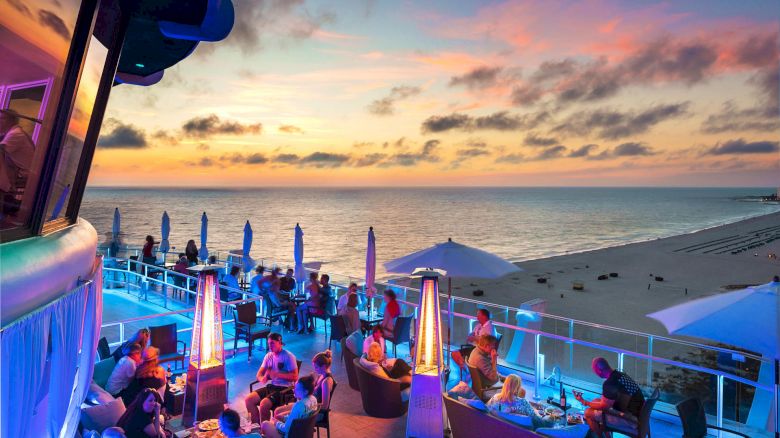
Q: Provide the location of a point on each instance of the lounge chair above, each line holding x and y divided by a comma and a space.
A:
381, 396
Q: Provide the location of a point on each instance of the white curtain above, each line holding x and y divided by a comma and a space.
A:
67, 323
93, 319
24, 350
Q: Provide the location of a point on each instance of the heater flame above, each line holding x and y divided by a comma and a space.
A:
428, 354
207, 332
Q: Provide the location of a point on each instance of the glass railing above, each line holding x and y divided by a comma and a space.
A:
736, 387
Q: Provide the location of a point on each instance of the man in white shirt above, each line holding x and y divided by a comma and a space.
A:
280, 371
484, 326
16, 150
343, 299
124, 371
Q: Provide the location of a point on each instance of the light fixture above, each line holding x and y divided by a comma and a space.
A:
139, 65
206, 391
426, 416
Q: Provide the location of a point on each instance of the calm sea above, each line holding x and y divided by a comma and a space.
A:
515, 223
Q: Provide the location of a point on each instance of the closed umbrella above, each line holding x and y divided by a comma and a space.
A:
457, 260
55, 213
203, 252
113, 248
300, 273
370, 267
746, 318
248, 262
115, 225
165, 231
371, 262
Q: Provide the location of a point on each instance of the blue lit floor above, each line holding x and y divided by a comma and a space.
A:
347, 417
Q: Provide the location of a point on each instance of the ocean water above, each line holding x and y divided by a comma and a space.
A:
515, 223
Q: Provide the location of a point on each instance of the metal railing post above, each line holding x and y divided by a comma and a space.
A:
620, 362
719, 422
649, 362
165, 289
571, 345
121, 333
537, 371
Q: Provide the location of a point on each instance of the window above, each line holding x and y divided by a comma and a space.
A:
35, 38
73, 144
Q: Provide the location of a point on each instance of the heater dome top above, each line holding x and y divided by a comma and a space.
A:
429, 272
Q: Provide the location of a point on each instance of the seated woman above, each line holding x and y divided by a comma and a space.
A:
305, 406
323, 387
142, 418
392, 310
375, 362
149, 374
351, 315
511, 400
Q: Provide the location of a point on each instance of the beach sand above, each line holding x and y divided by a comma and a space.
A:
702, 262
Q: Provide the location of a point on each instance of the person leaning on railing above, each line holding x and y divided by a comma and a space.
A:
485, 359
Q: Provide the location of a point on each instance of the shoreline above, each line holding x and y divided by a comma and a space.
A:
688, 273
651, 239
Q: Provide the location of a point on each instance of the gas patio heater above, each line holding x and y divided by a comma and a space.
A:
426, 415
206, 392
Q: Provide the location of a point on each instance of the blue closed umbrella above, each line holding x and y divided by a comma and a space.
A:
115, 225
300, 273
60, 203
203, 253
248, 262
165, 246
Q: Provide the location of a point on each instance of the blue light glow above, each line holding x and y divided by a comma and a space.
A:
139, 65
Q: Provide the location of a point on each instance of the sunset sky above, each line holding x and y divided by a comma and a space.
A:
399, 93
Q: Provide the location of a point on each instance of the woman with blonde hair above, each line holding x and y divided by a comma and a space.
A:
511, 400
323, 385
374, 362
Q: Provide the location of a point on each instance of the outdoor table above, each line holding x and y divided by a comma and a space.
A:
370, 320
174, 400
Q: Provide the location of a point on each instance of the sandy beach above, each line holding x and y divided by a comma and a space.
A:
701, 262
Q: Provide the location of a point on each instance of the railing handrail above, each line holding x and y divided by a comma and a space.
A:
655, 338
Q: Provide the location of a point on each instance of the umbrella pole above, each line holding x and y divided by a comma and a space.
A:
449, 317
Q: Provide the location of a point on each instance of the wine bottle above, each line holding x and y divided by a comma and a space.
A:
563, 397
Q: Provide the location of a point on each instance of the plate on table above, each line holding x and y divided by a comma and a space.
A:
554, 412
208, 425
573, 419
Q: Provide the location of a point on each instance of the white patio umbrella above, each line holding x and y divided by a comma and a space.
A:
203, 252
457, 260
248, 262
165, 231
300, 272
746, 318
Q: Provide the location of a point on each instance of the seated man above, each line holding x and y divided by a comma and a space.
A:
485, 359
124, 373
342, 303
278, 367
230, 425
484, 326
231, 280
617, 384
16, 151
287, 283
